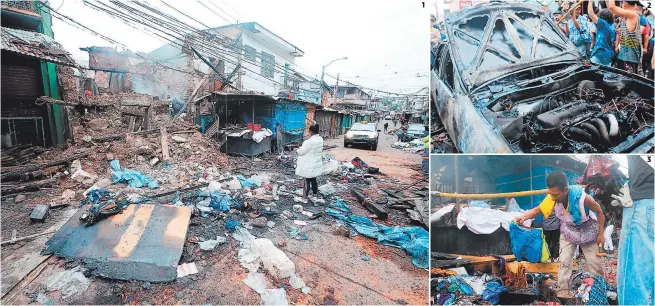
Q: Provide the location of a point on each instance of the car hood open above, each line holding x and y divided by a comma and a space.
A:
490, 40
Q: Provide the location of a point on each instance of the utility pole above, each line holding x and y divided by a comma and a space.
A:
323, 75
286, 73
336, 88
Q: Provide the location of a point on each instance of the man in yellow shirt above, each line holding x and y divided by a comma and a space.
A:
582, 223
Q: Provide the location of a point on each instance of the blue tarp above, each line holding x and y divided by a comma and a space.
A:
133, 178
414, 240
291, 117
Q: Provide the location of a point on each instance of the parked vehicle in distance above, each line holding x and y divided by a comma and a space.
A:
508, 80
362, 134
387, 117
415, 131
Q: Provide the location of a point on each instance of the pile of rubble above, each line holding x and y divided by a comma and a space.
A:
171, 174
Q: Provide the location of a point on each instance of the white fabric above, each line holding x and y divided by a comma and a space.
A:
259, 136
485, 220
441, 212
310, 159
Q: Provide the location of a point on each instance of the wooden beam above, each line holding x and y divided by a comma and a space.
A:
547, 267
164, 145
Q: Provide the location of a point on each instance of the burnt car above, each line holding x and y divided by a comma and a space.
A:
508, 80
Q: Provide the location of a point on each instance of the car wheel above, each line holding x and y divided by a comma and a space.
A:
345, 144
375, 147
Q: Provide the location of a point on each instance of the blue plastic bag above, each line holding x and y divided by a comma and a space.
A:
133, 178
231, 225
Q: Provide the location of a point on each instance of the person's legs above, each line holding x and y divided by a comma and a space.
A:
594, 263
314, 184
635, 280
305, 188
566, 250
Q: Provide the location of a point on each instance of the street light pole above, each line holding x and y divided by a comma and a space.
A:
323, 75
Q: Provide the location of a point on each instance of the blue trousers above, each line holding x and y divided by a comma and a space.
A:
635, 280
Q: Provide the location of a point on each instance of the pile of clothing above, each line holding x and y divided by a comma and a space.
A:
528, 243
595, 291
607, 184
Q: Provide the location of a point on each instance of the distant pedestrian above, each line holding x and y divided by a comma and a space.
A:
395, 122
401, 134
603, 50
386, 126
630, 44
205, 111
310, 160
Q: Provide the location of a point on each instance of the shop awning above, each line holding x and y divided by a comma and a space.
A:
36, 45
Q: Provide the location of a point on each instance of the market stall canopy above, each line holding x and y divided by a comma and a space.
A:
36, 45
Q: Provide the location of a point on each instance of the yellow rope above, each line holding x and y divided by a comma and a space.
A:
489, 195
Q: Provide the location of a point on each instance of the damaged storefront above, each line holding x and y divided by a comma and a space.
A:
29, 70
243, 124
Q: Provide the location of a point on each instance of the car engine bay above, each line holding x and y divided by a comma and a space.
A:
584, 110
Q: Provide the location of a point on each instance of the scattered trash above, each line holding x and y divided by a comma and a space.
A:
260, 222
231, 225
365, 257
69, 282
256, 281
274, 297
327, 189
178, 139
270, 224
297, 208
308, 213
40, 213
186, 269
211, 244
19, 198
133, 178
68, 195
299, 222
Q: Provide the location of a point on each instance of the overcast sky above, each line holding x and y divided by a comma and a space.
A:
386, 42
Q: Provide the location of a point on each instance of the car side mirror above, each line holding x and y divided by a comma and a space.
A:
347, 130
379, 131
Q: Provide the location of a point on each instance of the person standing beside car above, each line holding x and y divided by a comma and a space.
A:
629, 43
603, 50
578, 30
310, 160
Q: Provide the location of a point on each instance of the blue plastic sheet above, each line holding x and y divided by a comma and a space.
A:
133, 178
231, 225
250, 182
220, 201
414, 240
477, 203
340, 205
492, 292
291, 116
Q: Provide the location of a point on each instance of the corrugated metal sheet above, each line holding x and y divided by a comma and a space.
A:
35, 45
